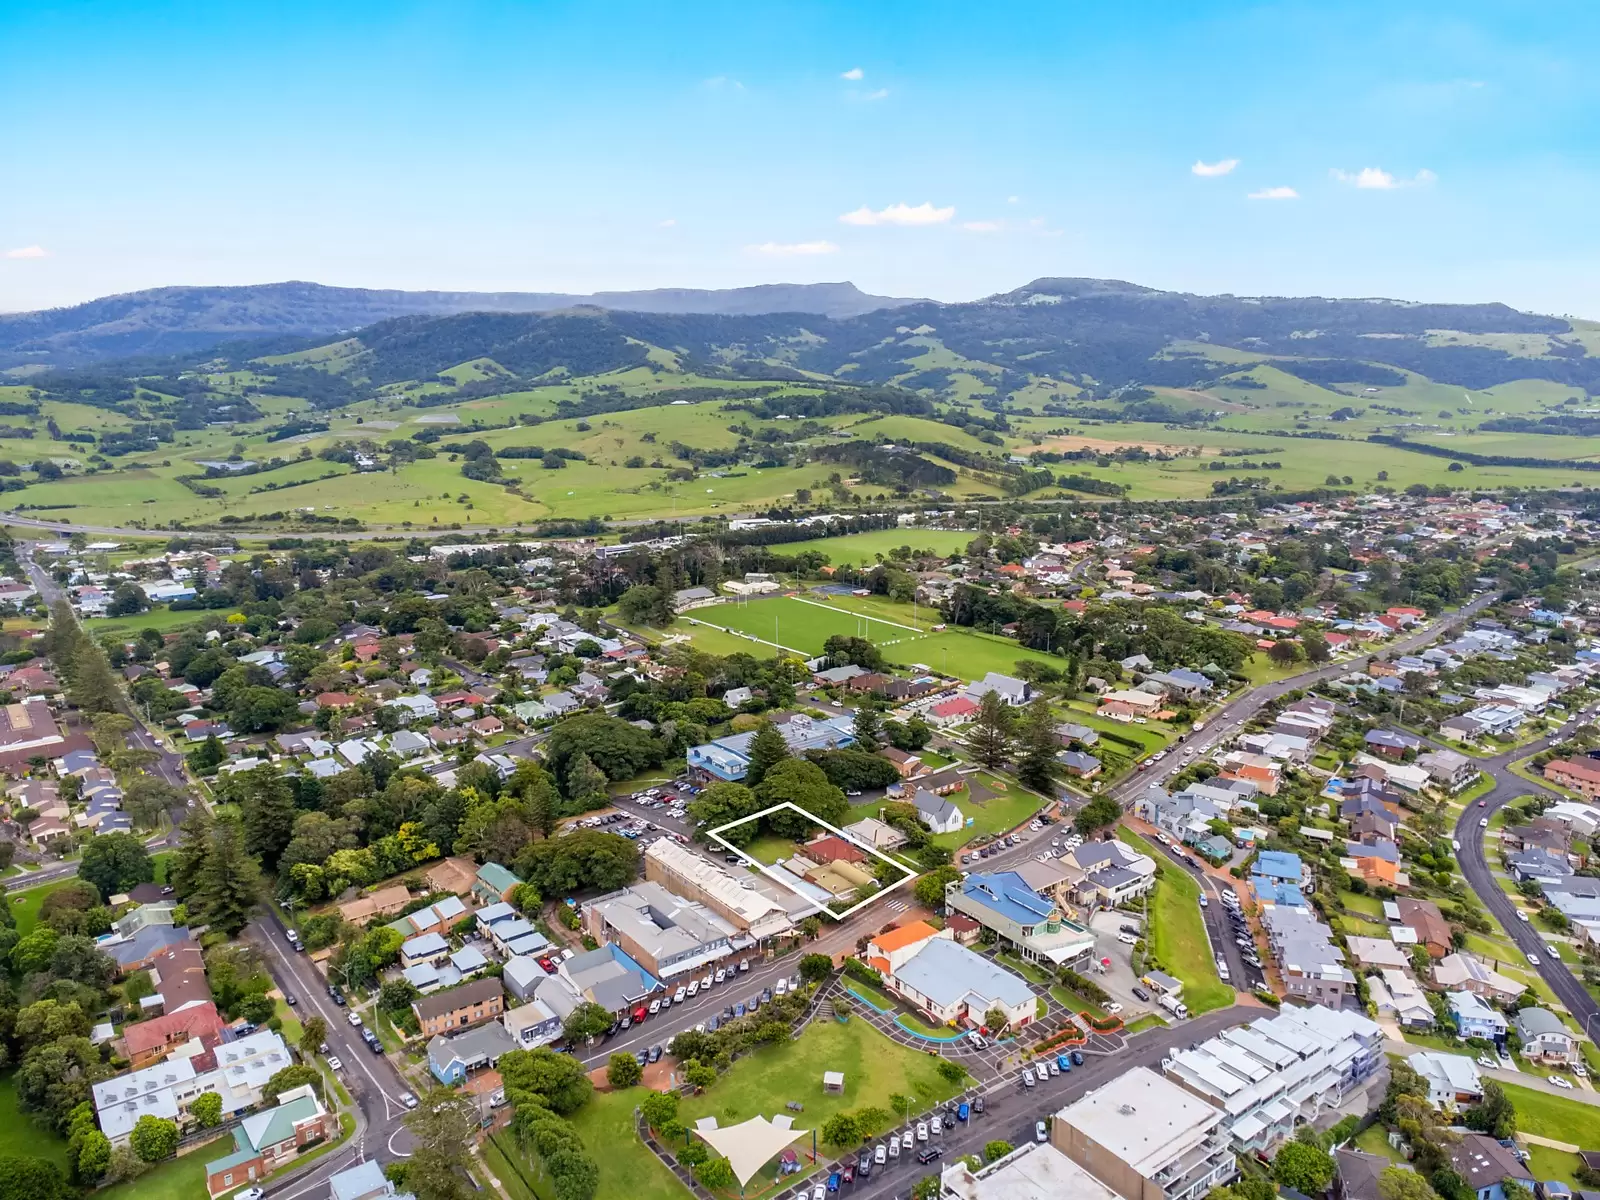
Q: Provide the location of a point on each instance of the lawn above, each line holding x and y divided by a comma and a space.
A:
177, 1179
25, 905
1148, 1021
865, 547
1001, 811
1177, 933
1552, 1117
1374, 1139
162, 620
19, 1134
769, 848
1369, 906
1546, 1163
760, 1083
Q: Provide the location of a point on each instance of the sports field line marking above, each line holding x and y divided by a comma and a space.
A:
850, 612
750, 637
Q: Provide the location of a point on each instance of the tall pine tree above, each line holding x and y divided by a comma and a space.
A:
767, 750
230, 880
1037, 744
266, 806
868, 726
586, 783
194, 845
989, 739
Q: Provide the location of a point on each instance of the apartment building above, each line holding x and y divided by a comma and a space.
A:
1271, 1075
1147, 1138
1312, 966
480, 1000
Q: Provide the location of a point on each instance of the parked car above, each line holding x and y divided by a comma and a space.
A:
1561, 1083
1063, 1063
833, 1182
880, 1155
655, 1052
1077, 1058
935, 1126
1140, 994
679, 996
354, 1019
1053, 1067
864, 1165
335, 1062
1041, 1132
963, 1112
894, 1147
977, 1106
1027, 1077
922, 1131
655, 1007
907, 1140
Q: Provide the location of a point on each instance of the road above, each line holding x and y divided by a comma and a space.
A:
1473, 857
1013, 1110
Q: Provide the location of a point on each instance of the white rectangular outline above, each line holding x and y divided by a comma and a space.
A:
716, 836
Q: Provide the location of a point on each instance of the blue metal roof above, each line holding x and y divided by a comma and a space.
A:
1007, 894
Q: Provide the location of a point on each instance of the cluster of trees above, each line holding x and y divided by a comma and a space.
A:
999, 733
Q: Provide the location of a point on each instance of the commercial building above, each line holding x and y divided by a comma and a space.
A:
666, 934
1033, 1172
729, 758
611, 979
740, 901
1146, 1138
1033, 923
1271, 1075
954, 986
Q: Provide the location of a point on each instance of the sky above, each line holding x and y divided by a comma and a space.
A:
1443, 152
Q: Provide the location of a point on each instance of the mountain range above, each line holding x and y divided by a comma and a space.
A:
1054, 337
180, 320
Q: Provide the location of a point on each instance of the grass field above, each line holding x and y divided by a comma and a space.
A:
1177, 932
1558, 1119
1004, 808
866, 547
20, 1135
760, 1083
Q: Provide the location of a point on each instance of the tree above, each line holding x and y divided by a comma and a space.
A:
842, 1130
194, 840
1316, 646
23, 1178
1038, 743
767, 750
659, 1108
1303, 1167
558, 1079
722, 803
804, 785
699, 1075
154, 1138
289, 1078
995, 1151
1285, 652
1097, 814
715, 1174
1494, 1114
929, 889
645, 604
989, 739
267, 810
814, 968
115, 862
585, 1021
207, 1109
93, 1158
867, 727
586, 783
617, 747
623, 1070
313, 1033
1397, 1183
229, 883
443, 1128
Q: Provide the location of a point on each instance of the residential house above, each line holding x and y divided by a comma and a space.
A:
869, 831
937, 813
1452, 1079
1311, 965
1013, 692
384, 902
1449, 769
150, 1041
267, 1140
1427, 922
493, 883
1464, 972
452, 1057
1581, 775
364, 1181
1474, 1018
1544, 1037
1484, 1165
1395, 994
1112, 872
728, 758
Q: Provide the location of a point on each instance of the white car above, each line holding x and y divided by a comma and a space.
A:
1113, 1008
1533, 960
935, 1126
705, 984
1040, 1133
408, 1099
922, 1131
1522, 916
694, 987
1456, 842
720, 976
1127, 939
907, 1140
335, 1063
820, 1192
250, 1193
1483, 822
679, 996
655, 1007
354, 1018
1561, 1083
880, 1155
1053, 1067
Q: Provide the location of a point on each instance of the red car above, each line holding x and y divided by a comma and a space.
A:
1483, 804
548, 965
850, 1173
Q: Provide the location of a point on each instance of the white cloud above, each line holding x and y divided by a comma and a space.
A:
669, 223
792, 249
880, 94
1378, 180
1013, 199
1211, 170
1275, 193
984, 226
28, 252
899, 214
853, 74
719, 83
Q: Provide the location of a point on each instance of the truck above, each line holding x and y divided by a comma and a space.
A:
1174, 1006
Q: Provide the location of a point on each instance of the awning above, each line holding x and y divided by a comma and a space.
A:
749, 1145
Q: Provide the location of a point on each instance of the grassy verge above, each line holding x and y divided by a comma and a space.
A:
1148, 1021
1553, 1117
1072, 1000
1177, 935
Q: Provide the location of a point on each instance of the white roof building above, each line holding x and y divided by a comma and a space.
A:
1034, 1172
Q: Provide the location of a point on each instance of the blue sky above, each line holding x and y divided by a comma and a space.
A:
1442, 152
